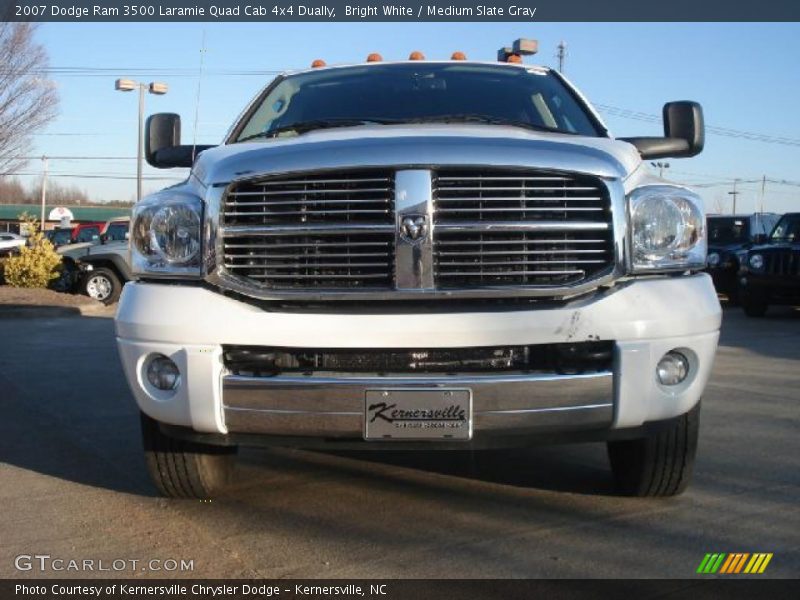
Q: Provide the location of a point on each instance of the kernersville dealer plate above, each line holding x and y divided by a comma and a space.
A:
418, 414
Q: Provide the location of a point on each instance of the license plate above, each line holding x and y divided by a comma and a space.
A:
393, 414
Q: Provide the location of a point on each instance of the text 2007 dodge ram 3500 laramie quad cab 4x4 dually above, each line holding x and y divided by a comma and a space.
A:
421, 254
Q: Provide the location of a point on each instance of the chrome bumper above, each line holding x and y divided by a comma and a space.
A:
334, 407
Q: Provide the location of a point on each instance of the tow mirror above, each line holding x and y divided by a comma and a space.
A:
684, 133
162, 143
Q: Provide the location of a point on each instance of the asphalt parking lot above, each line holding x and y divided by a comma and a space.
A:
73, 484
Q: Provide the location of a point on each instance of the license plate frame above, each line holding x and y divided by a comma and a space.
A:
418, 414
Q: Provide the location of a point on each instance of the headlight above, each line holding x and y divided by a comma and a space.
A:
756, 262
166, 235
667, 229
713, 259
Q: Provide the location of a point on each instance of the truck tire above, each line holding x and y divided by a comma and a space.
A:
754, 306
102, 284
659, 465
183, 469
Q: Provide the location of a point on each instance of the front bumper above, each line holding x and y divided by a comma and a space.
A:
644, 318
773, 287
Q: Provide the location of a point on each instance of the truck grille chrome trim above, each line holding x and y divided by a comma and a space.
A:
401, 233
311, 231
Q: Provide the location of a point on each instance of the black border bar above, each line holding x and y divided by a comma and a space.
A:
530, 11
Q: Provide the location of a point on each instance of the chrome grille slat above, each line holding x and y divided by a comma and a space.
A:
300, 213
517, 273
513, 252
515, 263
325, 244
517, 242
311, 228
324, 201
310, 256
511, 226
313, 192
303, 276
527, 209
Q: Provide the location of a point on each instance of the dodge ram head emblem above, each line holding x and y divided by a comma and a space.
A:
414, 228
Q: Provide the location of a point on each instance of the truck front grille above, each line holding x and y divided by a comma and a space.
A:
782, 263
312, 230
266, 361
488, 230
482, 238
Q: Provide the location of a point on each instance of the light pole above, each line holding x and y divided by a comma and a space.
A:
128, 85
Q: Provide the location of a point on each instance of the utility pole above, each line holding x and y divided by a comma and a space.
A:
763, 189
44, 190
562, 54
734, 193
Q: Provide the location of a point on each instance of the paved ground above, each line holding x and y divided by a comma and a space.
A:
72, 483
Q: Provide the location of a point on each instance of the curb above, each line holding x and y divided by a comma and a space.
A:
17, 311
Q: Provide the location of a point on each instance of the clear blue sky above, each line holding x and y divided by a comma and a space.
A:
745, 75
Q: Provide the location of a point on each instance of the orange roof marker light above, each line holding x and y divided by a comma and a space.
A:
458, 55
416, 55
318, 63
374, 57
520, 48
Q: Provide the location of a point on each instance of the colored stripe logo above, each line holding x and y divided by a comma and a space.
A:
734, 563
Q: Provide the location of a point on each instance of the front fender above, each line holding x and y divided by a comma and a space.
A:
119, 263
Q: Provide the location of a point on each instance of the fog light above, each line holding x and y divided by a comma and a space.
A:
673, 368
162, 373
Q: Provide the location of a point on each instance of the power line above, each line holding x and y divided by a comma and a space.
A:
627, 113
100, 176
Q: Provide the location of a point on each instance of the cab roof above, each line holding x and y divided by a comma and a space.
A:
493, 63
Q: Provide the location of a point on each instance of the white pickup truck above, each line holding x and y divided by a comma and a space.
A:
429, 255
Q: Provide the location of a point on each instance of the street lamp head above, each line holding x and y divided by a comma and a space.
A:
124, 85
158, 88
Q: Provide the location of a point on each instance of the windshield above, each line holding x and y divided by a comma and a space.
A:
728, 230
409, 93
117, 231
788, 228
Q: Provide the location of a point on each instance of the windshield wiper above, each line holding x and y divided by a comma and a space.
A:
305, 126
479, 118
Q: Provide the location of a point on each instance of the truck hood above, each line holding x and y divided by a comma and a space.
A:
420, 146
775, 247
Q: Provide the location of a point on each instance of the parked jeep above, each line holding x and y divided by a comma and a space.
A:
728, 235
425, 255
770, 272
99, 271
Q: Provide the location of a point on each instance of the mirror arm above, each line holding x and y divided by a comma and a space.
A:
659, 147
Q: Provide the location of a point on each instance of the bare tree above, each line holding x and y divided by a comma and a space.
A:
28, 100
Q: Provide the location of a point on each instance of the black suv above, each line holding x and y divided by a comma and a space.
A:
770, 272
728, 235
